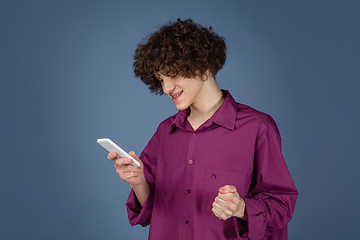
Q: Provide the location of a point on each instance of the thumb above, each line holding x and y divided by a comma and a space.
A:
133, 154
227, 189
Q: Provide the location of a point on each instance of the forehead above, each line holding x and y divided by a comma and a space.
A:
163, 73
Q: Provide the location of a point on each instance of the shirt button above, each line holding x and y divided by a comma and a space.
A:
194, 133
213, 176
191, 161
186, 221
188, 191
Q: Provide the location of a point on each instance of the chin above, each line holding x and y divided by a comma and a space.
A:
181, 107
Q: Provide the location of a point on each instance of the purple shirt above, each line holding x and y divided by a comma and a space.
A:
185, 168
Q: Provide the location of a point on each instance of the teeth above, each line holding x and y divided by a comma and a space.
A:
177, 95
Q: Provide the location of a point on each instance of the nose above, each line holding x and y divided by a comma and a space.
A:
167, 85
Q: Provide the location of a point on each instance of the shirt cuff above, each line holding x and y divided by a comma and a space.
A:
136, 213
256, 218
240, 227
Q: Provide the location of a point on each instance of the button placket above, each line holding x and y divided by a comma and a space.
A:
189, 179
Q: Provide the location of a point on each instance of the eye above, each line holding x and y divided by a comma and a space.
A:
174, 75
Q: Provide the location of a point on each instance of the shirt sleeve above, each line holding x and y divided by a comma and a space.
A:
136, 213
272, 196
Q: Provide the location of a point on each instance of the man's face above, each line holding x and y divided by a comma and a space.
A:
184, 92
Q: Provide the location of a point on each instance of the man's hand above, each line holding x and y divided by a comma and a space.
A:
228, 204
132, 175
127, 172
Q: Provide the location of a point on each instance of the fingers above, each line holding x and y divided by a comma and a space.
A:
124, 164
218, 213
133, 154
223, 210
112, 155
228, 203
123, 161
127, 172
119, 161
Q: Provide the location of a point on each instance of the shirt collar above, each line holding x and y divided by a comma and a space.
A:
224, 116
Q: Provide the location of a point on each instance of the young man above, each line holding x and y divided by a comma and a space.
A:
215, 169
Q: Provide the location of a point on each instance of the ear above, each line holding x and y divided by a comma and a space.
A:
207, 75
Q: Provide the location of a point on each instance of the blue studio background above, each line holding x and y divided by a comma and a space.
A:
67, 79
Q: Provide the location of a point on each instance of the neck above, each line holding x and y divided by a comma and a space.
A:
209, 100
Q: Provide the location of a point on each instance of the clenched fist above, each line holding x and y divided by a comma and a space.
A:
228, 204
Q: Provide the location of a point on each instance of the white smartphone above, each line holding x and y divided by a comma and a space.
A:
112, 147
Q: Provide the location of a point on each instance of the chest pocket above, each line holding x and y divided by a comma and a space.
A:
217, 178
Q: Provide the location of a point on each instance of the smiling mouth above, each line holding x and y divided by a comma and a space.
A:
176, 95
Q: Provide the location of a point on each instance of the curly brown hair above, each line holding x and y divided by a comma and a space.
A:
183, 47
